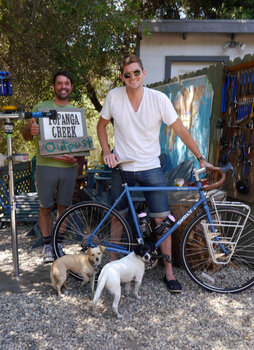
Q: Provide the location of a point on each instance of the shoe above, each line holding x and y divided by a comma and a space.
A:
173, 285
60, 249
48, 254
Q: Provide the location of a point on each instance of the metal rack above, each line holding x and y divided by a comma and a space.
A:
10, 114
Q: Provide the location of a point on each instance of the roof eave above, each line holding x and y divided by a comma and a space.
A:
199, 26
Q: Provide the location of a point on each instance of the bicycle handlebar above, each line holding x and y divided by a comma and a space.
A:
217, 183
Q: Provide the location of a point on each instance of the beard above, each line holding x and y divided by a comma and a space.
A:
63, 97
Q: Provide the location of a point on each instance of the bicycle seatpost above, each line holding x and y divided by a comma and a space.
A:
118, 167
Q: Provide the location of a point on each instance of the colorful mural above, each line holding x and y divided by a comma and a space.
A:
192, 99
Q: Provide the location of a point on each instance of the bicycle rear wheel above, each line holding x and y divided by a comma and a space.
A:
76, 224
205, 261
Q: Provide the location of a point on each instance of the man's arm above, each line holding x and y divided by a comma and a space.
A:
108, 157
188, 140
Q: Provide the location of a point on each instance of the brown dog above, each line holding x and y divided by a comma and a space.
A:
82, 264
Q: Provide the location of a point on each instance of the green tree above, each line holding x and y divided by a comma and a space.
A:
84, 37
161, 9
197, 9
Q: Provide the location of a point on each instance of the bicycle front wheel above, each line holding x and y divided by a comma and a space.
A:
78, 222
205, 260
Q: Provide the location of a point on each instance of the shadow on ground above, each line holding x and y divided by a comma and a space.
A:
34, 279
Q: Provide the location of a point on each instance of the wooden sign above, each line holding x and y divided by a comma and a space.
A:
65, 135
62, 146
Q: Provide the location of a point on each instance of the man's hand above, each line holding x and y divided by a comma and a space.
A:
34, 128
66, 158
204, 163
31, 129
110, 159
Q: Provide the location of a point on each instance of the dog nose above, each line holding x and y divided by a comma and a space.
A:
97, 259
147, 256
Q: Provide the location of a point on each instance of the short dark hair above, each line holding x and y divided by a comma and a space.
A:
131, 59
64, 73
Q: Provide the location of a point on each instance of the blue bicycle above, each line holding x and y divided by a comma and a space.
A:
217, 247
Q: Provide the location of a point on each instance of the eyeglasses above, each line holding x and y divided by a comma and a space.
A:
127, 75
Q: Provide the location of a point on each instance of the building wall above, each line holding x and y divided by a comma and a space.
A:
154, 50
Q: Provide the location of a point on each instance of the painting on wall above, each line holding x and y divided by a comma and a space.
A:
192, 100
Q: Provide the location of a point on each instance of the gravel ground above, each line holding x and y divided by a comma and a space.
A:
33, 317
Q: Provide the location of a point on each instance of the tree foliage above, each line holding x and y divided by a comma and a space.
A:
84, 37
217, 9
197, 9
161, 9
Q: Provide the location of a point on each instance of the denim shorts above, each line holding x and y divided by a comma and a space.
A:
157, 201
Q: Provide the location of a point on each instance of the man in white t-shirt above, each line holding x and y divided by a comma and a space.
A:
138, 112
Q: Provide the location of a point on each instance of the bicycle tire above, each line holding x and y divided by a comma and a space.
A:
232, 277
75, 225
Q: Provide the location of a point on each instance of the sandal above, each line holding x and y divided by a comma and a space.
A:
173, 285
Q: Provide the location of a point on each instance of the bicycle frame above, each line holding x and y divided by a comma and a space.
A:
128, 190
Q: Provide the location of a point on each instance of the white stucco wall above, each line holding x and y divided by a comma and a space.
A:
153, 51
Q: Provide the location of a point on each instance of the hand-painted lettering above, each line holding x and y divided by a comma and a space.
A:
50, 147
60, 146
70, 147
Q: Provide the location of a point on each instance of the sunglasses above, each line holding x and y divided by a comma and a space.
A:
127, 75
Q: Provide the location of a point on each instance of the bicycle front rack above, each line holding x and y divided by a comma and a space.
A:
223, 234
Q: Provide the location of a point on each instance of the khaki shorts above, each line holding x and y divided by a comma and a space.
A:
55, 184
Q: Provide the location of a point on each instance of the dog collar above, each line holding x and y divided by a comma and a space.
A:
92, 264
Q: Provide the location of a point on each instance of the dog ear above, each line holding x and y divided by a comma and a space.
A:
87, 252
102, 248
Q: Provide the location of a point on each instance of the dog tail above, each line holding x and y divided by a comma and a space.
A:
101, 284
52, 277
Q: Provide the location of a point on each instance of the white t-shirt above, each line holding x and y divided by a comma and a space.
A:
137, 133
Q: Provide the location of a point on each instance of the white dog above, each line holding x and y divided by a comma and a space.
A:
130, 268
82, 264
